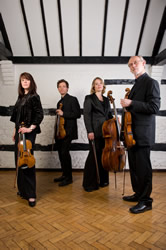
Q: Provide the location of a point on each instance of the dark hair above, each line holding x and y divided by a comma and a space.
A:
32, 88
62, 80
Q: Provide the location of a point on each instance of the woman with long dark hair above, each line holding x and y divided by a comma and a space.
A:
27, 110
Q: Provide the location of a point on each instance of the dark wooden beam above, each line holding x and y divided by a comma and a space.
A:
104, 26
143, 25
76, 60
160, 34
26, 26
4, 34
60, 26
80, 27
123, 27
45, 27
160, 59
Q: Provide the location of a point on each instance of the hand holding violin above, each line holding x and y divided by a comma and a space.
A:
59, 112
125, 102
24, 130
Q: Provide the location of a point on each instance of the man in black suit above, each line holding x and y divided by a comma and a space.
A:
143, 103
70, 112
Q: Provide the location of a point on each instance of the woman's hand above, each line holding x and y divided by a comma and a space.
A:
24, 130
91, 136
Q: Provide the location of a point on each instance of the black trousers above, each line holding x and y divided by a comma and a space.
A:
26, 177
140, 172
63, 146
90, 173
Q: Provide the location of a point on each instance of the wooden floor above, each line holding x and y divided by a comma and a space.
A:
70, 218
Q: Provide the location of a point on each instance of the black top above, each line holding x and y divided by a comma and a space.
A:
95, 113
145, 96
28, 110
71, 112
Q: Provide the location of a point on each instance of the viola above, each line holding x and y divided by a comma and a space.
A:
24, 152
113, 155
126, 132
60, 132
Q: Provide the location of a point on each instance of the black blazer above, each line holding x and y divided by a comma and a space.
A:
71, 112
95, 114
145, 96
28, 110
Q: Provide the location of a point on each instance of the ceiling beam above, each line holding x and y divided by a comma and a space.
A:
160, 59
123, 27
4, 35
44, 26
142, 26
104, 26
160, 34
60, 26
26, 26
74, 60
80, 27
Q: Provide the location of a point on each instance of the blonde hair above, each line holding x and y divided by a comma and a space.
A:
92, 91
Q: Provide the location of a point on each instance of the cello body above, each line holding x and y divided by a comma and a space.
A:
113, 155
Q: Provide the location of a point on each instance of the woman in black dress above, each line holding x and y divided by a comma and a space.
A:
96, 111
27, 110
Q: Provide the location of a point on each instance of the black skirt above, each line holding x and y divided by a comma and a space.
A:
90, 181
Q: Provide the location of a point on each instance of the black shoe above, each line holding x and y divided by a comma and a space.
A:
104, 184
65, 182
141, 207
61, 178
32, 203
131, 198
90, 189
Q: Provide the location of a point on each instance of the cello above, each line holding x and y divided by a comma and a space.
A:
113, 155
126, 131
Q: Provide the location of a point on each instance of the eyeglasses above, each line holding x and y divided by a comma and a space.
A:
134, 63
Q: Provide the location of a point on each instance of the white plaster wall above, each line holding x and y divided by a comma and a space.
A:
80, 78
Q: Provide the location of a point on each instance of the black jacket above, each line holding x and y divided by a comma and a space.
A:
71, 112
95, 114
28, 110
145, 96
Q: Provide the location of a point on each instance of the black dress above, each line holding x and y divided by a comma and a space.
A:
95, 113
28, 110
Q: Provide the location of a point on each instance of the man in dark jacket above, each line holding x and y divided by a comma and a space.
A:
143, 103
70, 112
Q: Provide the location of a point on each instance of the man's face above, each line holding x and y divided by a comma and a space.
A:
136, 65
62, 88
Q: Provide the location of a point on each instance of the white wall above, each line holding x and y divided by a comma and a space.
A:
79, 78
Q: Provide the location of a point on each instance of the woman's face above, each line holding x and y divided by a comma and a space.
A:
25, 83
98, 85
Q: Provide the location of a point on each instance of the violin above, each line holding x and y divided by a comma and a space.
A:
126, 132
60, 132
113, 155
24, 152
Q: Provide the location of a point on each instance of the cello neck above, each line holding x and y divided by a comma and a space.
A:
116, 116
112, 100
